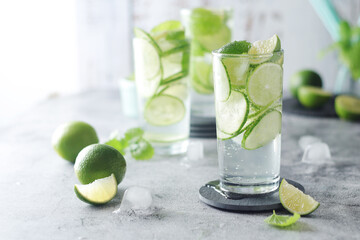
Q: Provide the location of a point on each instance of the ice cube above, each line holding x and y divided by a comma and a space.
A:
317, 153
195, 151
136, 199
307, 140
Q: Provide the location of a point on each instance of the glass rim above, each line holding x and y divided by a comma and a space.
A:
245, 55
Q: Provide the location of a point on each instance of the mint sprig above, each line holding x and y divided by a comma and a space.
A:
282, 221
133, 141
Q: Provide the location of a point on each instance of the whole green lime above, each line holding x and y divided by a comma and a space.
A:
69, 138
313, 97
99, 161
304, 78
348, 107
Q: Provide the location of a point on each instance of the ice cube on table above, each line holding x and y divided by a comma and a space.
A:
136, 199
195, 151
317, 153
307, 140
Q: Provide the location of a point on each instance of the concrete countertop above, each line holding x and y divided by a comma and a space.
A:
38, 202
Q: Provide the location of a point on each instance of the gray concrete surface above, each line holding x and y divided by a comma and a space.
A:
37, 199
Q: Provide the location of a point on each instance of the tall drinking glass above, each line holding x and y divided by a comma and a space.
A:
248, 99
207, 29
161, 72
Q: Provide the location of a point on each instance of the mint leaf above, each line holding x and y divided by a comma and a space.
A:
142, 150
235, 47
134, 134
282, 221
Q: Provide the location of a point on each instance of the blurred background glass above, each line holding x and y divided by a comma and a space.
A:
50, 48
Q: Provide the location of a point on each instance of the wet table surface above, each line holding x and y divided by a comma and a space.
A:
38, 201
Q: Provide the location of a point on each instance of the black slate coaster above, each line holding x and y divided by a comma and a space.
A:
249, 203
292, 105
202, 127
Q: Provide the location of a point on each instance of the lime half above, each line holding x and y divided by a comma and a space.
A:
231, 115
164, 110
348, 107
147, 67
265, 84
98, 192
295, 201
313, 97
262, 131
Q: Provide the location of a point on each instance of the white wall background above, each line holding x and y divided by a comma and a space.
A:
52, 47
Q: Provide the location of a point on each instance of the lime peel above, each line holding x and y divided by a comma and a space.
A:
282, 221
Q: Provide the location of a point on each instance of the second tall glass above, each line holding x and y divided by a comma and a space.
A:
207, 29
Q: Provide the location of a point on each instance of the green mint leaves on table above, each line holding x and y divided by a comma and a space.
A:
134, 142
282, 221
348, 47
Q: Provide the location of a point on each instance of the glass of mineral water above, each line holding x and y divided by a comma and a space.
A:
161, 59
248, 97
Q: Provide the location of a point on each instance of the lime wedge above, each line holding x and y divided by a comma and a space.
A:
295, 201
263, 47
313, 97
147, 67
262, 131
231, 115
237, 70
348, 107
223, 87
164, 110
282, 221
265, 84
98, 192
266, 46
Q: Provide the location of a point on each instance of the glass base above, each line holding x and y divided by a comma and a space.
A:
233, 189
171, 148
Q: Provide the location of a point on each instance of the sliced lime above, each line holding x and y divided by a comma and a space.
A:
164, 110
203, 22
171, 25
222, 136
98, 192
223, 86
147, 67
237, 69
265, 129
265, 84
313, 97
202, 71
295, 201
179, 90
139, 33
282, 221
215, 41
231, 115
172, 64
348, 107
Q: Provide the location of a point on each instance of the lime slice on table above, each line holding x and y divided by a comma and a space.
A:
264, 46
262, 131
164, 110
265, 84
348, 107
147, 67
313, 97
223, 86
98, 192
295, 201
232, 114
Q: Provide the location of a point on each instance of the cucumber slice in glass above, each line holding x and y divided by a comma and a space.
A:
147, 67
223, 86
232, 114
164, 110
179, 90
237, 70
265, 84
267, 128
